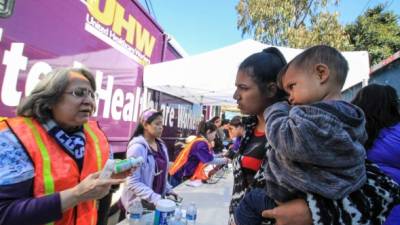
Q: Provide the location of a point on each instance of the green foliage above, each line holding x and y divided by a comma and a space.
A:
292, 23
377, 31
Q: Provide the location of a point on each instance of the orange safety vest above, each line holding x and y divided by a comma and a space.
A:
55, 170
183, 157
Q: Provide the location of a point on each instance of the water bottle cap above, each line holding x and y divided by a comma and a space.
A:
134, 205
165, 205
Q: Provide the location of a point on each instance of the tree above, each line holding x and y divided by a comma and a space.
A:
377, 31
292, 23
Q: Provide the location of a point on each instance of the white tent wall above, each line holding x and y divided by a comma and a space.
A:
209, 78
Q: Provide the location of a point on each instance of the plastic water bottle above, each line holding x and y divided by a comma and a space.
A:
177, 218
191, 214
135, 211
127, 164
114, 166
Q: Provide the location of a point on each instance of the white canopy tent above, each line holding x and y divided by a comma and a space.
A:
209, 78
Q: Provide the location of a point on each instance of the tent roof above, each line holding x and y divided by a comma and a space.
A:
209, 78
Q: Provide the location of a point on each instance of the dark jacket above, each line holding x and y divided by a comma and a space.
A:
316, 148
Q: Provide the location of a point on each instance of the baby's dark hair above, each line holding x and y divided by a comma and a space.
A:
323, 54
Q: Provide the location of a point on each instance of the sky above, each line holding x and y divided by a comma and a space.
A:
204, 25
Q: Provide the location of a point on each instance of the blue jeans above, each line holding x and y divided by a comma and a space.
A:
251, 206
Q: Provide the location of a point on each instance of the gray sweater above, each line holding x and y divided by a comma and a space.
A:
315, 148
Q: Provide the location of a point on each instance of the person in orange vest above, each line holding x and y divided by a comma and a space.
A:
51, 155
197, 154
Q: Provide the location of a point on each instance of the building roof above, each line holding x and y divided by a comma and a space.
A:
384, 63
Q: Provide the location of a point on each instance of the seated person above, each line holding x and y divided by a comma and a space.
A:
196, 155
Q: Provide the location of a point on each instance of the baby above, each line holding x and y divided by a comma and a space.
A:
315, 145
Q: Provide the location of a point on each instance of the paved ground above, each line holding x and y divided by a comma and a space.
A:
212, 200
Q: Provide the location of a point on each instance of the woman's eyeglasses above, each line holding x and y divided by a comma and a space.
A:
83, 93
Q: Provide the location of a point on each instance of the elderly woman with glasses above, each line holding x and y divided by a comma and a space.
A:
149, 183
51, 155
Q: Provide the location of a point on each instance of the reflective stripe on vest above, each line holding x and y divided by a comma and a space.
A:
96, 145
46, 153
48, 179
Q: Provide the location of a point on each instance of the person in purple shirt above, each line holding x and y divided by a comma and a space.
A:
149, 182
199, 152
381, 108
